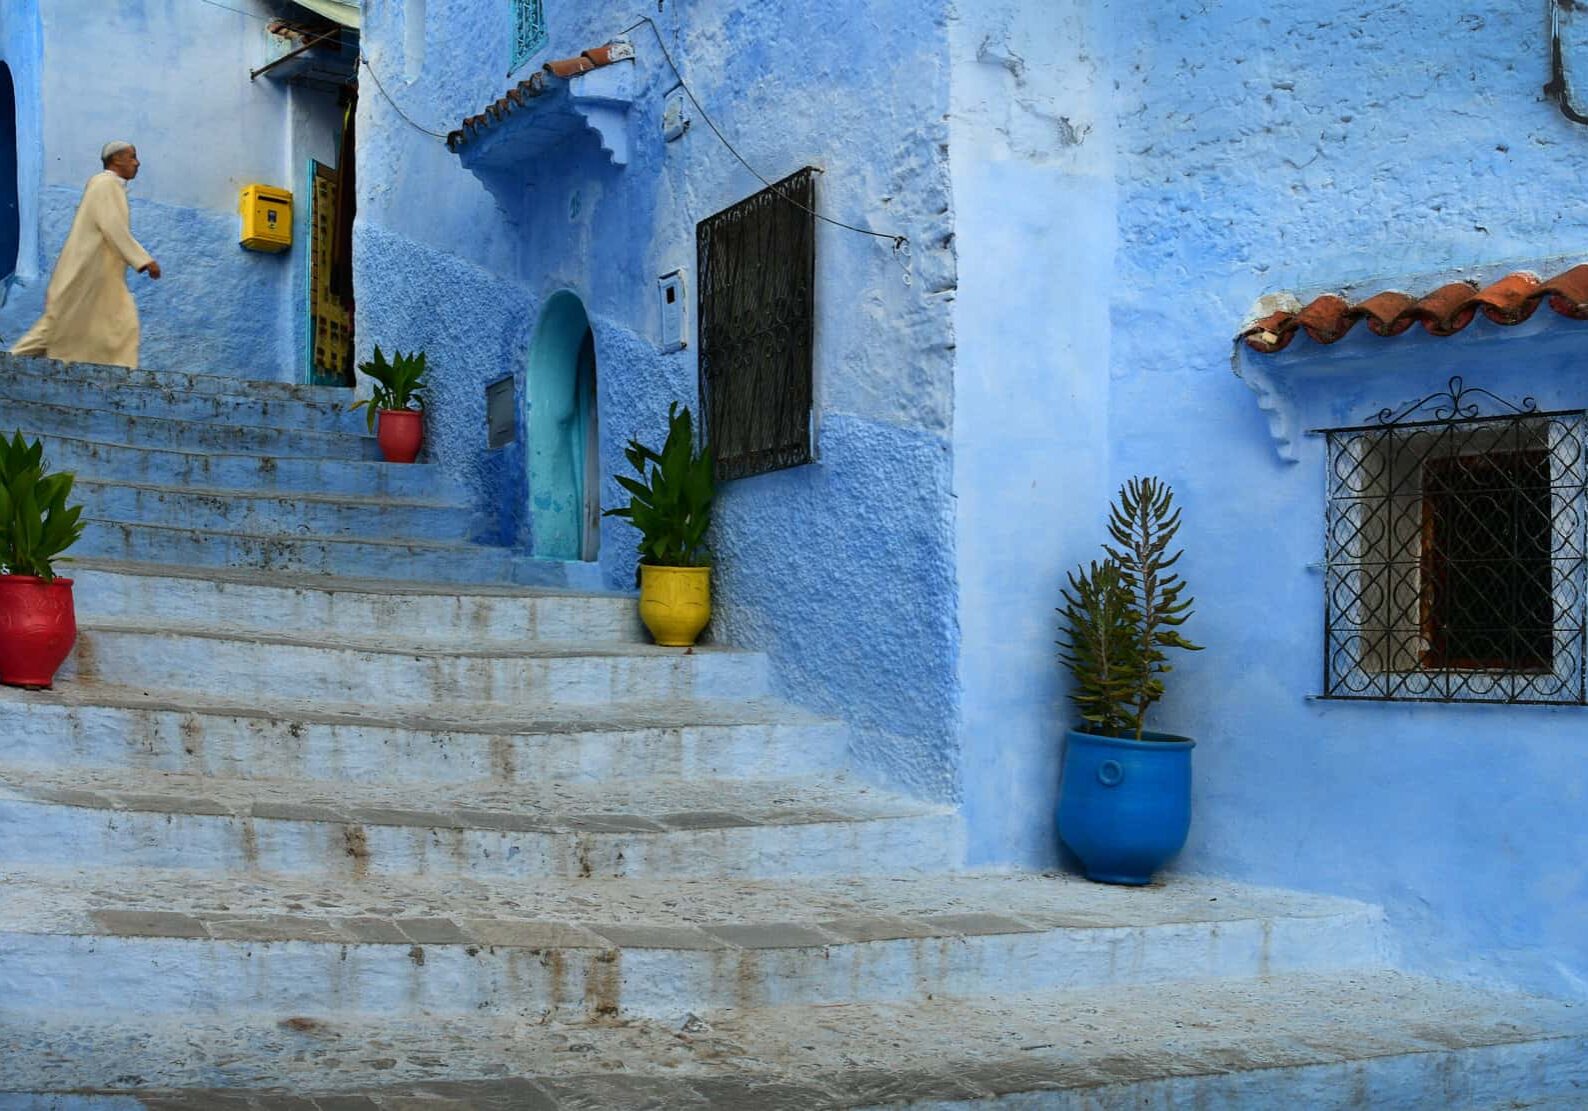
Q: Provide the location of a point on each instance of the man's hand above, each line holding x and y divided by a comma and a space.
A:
151, 268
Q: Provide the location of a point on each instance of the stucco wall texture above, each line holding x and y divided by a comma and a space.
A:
170, 76
1378, 146
1095, 197
841, 570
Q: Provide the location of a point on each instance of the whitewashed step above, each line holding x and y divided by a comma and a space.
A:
87, 725
83, 420
138, 398
95, 377
418, 560
399, 669
242, 470
1382, 1041
273, 513
52, 815
152, 942
266, 602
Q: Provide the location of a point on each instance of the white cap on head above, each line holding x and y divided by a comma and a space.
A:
111, 149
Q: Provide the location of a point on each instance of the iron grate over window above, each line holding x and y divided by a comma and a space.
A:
757, 264
1454, 568
529, 31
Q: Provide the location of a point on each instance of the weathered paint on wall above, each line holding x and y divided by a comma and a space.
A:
21, 50
203, 131
1031, 149
842, 569
1382, 147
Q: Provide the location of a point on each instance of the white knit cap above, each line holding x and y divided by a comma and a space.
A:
112, 149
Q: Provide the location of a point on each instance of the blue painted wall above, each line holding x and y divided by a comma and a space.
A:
842, 570
203, 131
21, 48
1377, 146
1095, 199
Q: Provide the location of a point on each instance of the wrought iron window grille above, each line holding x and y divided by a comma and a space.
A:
1455, 553
757, 266
529, 32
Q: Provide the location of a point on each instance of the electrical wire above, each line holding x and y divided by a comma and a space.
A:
900, 242
395, 106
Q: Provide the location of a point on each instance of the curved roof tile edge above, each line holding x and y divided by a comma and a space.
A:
1443, 312
535, 84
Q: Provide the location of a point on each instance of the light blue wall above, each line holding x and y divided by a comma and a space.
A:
203, 130
21, 48
842, 570
1387, 147
1034, 194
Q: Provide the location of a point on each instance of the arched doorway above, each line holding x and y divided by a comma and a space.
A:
10, 207
564, 437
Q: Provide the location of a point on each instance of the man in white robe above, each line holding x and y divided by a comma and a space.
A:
89, 316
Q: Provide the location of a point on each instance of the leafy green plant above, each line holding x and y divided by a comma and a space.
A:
1121, 614
671, 502
36, 524
399, 384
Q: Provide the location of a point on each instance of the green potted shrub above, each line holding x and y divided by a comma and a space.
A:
671, 507
38, 620
398, 405
1125, 799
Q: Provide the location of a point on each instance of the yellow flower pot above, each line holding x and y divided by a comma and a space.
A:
675, 603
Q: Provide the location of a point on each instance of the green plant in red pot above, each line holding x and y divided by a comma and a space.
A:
38, 621
398, 405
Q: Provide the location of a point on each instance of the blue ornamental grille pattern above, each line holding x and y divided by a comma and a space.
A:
529, 31
1455, 556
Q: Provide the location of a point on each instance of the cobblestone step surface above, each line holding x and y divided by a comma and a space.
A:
237, 598
1323, 1042
89, 725
153, 942
638, 828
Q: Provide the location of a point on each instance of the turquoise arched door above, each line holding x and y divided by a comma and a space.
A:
564, 441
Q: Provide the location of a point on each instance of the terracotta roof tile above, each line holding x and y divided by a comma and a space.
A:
1444, 312
536, 84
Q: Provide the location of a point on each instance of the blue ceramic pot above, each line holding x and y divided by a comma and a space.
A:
1125, 805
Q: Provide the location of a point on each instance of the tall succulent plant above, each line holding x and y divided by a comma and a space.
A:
1123, 613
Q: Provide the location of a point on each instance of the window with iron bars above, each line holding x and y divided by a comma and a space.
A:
529, 31
1454, 564
757, 264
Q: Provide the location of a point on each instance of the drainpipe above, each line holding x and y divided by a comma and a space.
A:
1568, 31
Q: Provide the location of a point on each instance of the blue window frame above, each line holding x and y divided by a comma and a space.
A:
529, 31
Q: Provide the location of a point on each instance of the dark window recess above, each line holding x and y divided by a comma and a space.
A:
501, 413
1454, 564
757, 263
1486, 600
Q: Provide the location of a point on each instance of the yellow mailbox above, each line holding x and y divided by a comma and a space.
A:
267, 218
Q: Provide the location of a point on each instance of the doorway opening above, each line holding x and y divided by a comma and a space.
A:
10, 199
332, 200
563, 452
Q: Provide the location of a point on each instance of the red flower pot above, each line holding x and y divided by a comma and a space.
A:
399, 434
38, 625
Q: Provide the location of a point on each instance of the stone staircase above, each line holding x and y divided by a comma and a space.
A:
304, 826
